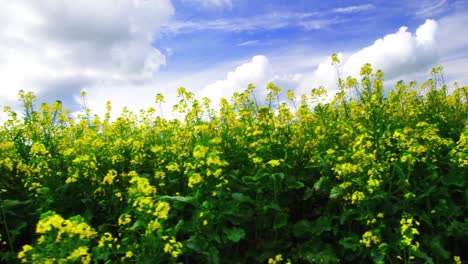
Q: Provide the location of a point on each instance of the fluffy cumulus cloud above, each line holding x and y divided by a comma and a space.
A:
397, 54
58, 48
257, 71
452, 43
325, 75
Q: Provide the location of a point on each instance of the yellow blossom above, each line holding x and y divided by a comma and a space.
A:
124, 219
109, 178
153, 225
257, 160
368, 238
22, 253
199, 152
77, 253
274, 163
276, 260
194, 179
173, 167
357, 196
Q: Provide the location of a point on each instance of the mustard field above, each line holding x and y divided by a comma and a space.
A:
374, 175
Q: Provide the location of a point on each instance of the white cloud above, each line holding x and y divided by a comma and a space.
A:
257, 71
123, 95
325, 75
452, 36
270, 21
429, 8
316, 24
217, 3
455, 69
396, 54
401, 54
56, 48
353, 9
248, 43
452, 42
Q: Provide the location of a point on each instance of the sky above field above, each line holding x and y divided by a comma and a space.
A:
127, 51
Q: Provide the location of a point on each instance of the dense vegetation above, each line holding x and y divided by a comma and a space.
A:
373, 175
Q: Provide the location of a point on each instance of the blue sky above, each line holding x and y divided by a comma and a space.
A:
126, 51
252, 27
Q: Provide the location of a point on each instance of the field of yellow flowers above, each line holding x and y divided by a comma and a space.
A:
373, 175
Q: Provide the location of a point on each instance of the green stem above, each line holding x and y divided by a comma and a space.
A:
10, 245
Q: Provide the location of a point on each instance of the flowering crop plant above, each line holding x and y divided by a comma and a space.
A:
373, 175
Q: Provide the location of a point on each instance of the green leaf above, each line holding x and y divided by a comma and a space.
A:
145, 175
258, 177
242, 198
213, 256
321, 225
247, 180
423, 255
138, 224
293, 184
318, 184
322, 162
234, 234
436, 247
457, 179
336, 192
378, 256
183, 199
260, 174
273, 206
399, 171
178, 226
350, 242
193, 244
308, 193
280, 221
428, 192
8, 204
302, 229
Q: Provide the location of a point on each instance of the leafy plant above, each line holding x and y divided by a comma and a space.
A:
372, 175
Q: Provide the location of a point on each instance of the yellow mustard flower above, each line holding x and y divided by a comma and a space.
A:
124, 219
194, 179
274, 163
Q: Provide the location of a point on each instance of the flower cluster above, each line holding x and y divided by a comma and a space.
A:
317, 177
172, 246
408, 232
368, 238
70, 237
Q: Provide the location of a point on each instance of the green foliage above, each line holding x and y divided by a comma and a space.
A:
368, 176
